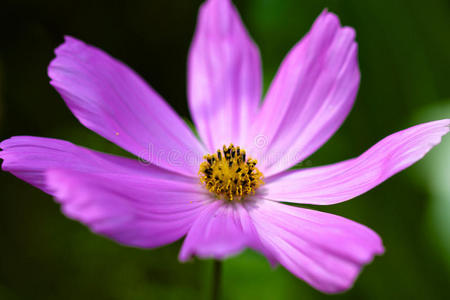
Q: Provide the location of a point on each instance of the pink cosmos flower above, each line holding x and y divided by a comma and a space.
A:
230, 201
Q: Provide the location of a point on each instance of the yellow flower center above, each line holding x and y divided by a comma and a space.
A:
228, 174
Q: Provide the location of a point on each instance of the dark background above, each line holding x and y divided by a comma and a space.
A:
404, 52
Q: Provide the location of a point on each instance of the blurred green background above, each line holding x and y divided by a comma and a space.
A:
404, 53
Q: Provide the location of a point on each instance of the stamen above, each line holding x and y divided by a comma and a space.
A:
231, 178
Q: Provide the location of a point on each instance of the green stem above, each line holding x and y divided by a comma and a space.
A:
217, 274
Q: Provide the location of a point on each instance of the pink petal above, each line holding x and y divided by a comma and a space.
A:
325, 250
224, 76
222, 230
132, 210
109, 98
29, 158
309, 98
348, 179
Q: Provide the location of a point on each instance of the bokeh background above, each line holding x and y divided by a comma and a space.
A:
404, 53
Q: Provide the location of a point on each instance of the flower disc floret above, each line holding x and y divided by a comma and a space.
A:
229, 175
